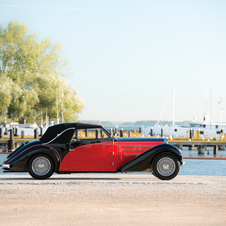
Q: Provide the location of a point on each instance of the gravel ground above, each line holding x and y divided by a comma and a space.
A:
112, 199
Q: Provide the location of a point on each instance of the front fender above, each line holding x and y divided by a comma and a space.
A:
19, 162
143, 161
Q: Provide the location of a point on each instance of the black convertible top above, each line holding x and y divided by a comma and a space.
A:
69, 129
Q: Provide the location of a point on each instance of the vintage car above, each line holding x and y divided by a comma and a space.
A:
77, 147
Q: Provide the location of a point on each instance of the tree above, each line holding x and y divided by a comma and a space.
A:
32, 73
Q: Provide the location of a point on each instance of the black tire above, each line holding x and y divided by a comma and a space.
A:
165, 166
41, 166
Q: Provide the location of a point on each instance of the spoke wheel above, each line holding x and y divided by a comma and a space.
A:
41, 166
165, 166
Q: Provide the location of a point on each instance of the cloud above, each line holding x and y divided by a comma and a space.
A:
57, 8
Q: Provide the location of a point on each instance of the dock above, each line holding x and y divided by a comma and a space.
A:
10, 141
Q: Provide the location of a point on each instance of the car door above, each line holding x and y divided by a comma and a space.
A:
92, 155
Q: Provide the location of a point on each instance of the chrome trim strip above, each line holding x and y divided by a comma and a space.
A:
59, 135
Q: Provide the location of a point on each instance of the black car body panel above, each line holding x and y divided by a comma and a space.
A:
18, 159
143, 161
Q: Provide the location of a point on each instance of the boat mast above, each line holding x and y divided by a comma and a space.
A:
210, 104
173, 105
221, 107
47, 119
58, 121
206, 99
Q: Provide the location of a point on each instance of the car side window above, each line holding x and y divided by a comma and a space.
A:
94, 133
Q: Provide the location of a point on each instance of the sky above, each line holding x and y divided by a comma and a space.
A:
125, 56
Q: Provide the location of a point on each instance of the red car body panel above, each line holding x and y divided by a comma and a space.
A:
129, 150
106, 156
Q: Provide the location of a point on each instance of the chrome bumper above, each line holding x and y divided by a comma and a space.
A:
5, 166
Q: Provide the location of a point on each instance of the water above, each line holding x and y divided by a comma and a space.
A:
192, 167
208, 153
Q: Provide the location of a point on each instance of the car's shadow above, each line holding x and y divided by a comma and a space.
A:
56, 179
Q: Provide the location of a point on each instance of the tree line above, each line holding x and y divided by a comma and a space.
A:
134, 124
33, 78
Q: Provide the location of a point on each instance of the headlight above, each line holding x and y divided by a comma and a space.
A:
5, 166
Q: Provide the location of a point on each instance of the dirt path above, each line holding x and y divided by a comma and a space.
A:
118, 199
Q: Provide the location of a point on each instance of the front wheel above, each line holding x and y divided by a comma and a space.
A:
41, 166
165, 166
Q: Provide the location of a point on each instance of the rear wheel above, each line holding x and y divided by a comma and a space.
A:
165, 166
41, 166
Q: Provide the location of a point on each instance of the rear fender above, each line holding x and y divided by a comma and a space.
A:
143, 161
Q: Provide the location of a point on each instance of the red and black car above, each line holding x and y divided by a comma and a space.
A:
78, 147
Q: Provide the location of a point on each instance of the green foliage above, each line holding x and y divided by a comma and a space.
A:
32, 75
5, 92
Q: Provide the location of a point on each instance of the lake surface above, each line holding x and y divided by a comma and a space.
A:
208, 153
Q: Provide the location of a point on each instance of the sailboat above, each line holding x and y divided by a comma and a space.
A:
207, 128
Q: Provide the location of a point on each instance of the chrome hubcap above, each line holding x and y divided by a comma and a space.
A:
166, 166
41, 166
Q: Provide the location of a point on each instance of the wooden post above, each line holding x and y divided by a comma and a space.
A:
198, 134
151, 132
6, 131
221, 136
162, 132
16, 131
3, 147
0, 132
22, 134
35, 134
86, 132
41, 132
215, 150
201, 149
121, 132
13, 130
96, 133
190, 134
11, 142
129, 133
